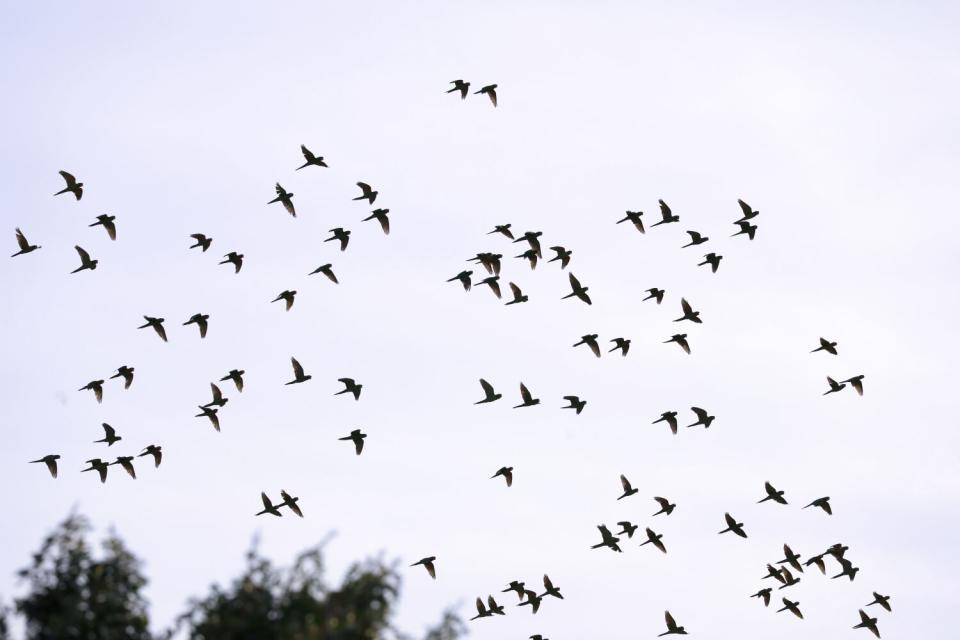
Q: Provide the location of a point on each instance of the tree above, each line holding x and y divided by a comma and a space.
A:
73, 595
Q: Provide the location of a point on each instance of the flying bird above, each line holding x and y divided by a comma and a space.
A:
883, 601
157, 324
627, 528
688, 313
98, 465
490, 262
628, 489
791, 558
290, 502
773, 572
826, 345
97, 387
788, 579
428, 564
608, 539
518, 295
533, 239
461, 86
550, 589
847, 569
211, 413
532, 599
748, 212
234, 258
464, 278
713, 260
153, 450
286, 198
310, 159
491, 91
236, 375
298, 375
591, 341
818, 561
563, 255
527, 397
85, 261
695, 239
494, 283
857, 383
747, 229
494, 607
481, 610
578, 290
654, 293
24, 244
349, 386
670, 417
74, 187
574, 402
107, 223
665, 506
109, 435
792, 607
502, 229
127, 463
340, 234
834, 386
734, 526
666, 215
380, 215
672, 628
530, 256
489, 395
764, 594
50, 461
269, 507
654, 538
680, 339
357, 437
823, 503
199, 319
620, 343
126, 373
327, 270
202, 241
287, 296
866, 622
218, 399
517, 587
633, 217
507, 473
772, 494
368, 193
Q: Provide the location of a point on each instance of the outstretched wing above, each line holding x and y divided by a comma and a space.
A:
84, 256
297, 369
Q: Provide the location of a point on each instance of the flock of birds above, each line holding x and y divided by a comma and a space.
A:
784, 571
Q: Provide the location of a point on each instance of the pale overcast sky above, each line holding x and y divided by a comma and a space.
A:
838, 121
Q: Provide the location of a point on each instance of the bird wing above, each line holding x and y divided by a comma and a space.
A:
365, 188
687, 309
288, 205
493, 96
663, 502
665, 210
747, 209
525, 393
111, 229
384, 223
701, 413
84, 256
217, 394
358, 441
429, 563
516, 291
212, 414
307, 154
547, 584
266, 501
487, 388
297, 369
108, 431
22, 240
51, 466
625, 483
68, 177
671, 623
770, 490
574, 283
731, 521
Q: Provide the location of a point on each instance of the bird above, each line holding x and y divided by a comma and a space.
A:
287, 296
218, 399
502, 229
357, 437
627, 528
532, 599
517, 587
834, 386
672, 628
608, 539
490, 262
202, 241
494, 283
823, 503
688, 313
126, 373
74, 187
98, 465
234, 258
155, 451
380, 215
847, 569
826, 345
518, 295
368, 193
285, 197
574, 402
634, 217
491, 91
791, 558
747, 229
818, 561
200, 320
773, 572
85, 261
550, 589
481, 610
350, 386
327, 270
269, 507
591, 341
533, 239
24, 244
127, 463
680, 339
713, 260
654, 293
527, 397
537, 636
563, 255
97, 387
507, 473
666, 215
655, 539
298, 375
620, 343
157, 324
837, 550
628, 489
340, 234
107, 223
110, 435
494, 607
866, 622
764, 594
530, 256
792, 607
489, 395
290, 502
211, 413
310, 159
883, 601
788, 578
51, 462
428, 564
665, 506
772, 494
748, 212
464, 278
734, 526
857, 383
578, 290
670, 417
461, 86
236, 375
695, 239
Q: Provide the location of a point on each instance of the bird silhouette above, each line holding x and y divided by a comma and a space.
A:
574, 402
518, 295
628, 489
773, 572
494, 283
654, 538
502, 229
823, 503
713, 260
763, 594
494, 607
290, 502
562, 255
199, 319
126, 373
532, 599
202, 241
285, 197
211, 413
672, 628
340, 234
507, 473
105, 221
481, 610
578, 290
51, 462
834, 386
792, 607
837, 550
428, 564
74, 187
866, 622
110, 435
591, 341
489, 261
85, 261
153, 450
654, 293
380, 215
634, 217
298, 375
627, 528
747, 229
24, 244
670, 417
527, 397
883, 601
461, 86
680, 339
608, 539
97, 387
620, 343
517, 587
269, 507
666, 215
791, 558
530, 256
748, 212
287, 296
734, 526
349, 386
98, 465
218, 399
357, 437
234, 258
489, 395
857, 383
695, 239
491, 91
847, 569
464, 278
127, 463
826, 345
772, 494
310, 158
788, 578
550, 589
327, 270
157, 324
533, 239
236, 375
665, 506
688, 313
368, 193
818, 561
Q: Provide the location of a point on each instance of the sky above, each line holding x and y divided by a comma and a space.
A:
837, 121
